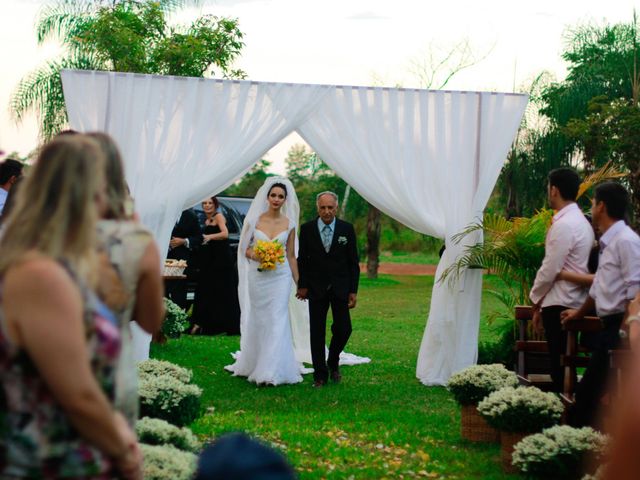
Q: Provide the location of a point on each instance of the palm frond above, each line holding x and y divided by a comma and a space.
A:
60, 21
608, 171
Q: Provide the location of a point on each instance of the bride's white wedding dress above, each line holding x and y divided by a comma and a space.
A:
267, 354
274, 324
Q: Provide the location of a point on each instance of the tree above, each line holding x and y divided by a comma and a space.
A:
126, 36
249, 184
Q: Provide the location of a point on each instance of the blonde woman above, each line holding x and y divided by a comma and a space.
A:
58, 343
135, 257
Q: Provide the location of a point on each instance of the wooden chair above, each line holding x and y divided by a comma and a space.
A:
576, 356
533, 364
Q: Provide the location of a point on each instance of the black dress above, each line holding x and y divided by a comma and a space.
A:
215, 307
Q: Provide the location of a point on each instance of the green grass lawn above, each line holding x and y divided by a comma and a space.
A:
426, 258
380, 422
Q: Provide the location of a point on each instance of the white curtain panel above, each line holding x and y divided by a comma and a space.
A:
183, 138
427, 158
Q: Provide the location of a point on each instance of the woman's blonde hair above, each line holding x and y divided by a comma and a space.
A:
55, 212
118, 199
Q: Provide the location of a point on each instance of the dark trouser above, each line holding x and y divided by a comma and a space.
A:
557, 342
340, 330
595, 379
176, 290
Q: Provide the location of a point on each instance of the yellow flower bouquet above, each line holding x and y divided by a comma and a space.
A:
269, 253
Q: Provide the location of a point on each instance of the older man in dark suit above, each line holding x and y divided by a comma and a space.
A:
329, 274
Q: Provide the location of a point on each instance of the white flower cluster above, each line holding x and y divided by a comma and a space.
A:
165, 391
176, 320
158, 368
164, 462
472, 384
155, 431
165, 394
524, 409
558, 451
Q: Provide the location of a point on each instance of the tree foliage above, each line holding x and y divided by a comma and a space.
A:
125, 36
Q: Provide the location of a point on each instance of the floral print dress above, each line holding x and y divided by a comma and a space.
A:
37, 440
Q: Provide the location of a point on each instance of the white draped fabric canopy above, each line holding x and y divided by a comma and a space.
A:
428, 158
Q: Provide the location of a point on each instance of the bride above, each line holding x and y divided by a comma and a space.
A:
267, 354
274, 324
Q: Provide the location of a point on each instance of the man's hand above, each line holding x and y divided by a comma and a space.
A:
302, 293
176, 242
536, 321
569, 314
352, 300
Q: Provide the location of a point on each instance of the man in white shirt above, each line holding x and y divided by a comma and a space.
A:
567, 247
616, 283
10, 172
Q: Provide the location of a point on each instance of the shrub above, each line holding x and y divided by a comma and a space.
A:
164, 462
472, 384
558, 452
158, 368
524, 409
176, 320
169, 399
154, 431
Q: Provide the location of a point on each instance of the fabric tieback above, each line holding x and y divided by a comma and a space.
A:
326, 237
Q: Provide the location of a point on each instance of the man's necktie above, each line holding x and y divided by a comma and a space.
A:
326, 237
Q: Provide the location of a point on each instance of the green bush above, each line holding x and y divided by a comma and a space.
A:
500, 351
176, 320
154, 431
559, 452
164, 462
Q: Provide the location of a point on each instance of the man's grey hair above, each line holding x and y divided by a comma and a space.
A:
327, 192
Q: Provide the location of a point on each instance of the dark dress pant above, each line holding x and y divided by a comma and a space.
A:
340, 332
594, 382
557, 343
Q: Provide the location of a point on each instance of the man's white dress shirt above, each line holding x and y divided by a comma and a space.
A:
617, 279
567, 247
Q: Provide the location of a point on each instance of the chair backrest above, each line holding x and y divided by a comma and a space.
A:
575, 355
533, 364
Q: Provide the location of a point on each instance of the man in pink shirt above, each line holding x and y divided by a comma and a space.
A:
567, 247
616, 283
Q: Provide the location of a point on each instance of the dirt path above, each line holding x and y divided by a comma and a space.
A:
402, 268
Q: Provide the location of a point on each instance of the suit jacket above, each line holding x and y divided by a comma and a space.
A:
338, 269
187, 227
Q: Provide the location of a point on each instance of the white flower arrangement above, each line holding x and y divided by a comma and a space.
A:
159, 368
559, 451
167, 398
154, 431
176, 320
472, 384
164, 462
342, 240
524, 409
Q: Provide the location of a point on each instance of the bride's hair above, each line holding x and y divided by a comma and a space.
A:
281, 185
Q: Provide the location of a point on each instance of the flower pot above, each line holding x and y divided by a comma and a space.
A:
507, 442
474, 427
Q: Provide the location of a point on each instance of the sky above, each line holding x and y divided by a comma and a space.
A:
348, 42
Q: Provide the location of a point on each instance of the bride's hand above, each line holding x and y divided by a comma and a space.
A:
249, 254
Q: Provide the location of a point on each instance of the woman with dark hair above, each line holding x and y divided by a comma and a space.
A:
215, 305
267, 354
